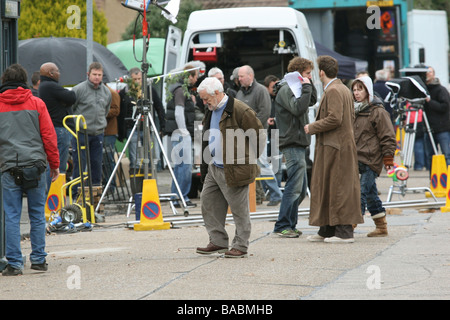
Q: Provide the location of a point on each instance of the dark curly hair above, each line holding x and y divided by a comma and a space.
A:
299, 64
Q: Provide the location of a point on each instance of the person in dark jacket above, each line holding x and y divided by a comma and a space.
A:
59, 103
180, 118
125, 123
437, 108
292, 115
27, 143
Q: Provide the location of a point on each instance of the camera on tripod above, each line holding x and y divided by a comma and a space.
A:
408, 96
410, 88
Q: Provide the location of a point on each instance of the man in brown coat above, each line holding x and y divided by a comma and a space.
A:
233, 139
335, 188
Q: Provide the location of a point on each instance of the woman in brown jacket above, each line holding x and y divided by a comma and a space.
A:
375, 144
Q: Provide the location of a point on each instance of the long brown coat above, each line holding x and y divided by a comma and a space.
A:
335, 189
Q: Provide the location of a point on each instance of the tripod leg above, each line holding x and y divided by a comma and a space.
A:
411, 139
425, 119
117, 165
170, 168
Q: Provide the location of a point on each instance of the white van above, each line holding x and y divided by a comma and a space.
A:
266, 38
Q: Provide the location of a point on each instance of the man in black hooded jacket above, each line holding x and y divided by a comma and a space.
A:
437, 108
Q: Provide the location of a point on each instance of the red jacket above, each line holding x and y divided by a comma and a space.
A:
27, 135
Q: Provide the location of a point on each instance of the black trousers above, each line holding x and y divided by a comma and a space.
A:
343, 231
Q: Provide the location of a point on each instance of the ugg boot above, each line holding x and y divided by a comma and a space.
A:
381, 226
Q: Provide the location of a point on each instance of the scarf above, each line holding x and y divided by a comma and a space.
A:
361, 106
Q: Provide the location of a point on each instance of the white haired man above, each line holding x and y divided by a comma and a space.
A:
226, 178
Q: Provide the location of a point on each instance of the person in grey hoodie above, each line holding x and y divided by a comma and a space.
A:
93, 102
375, 146
291, 115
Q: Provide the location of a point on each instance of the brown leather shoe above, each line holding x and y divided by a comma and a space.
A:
211, 248
235, 253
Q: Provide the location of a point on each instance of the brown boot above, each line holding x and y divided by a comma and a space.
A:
381, 227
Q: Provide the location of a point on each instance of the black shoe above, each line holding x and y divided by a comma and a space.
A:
10, 271
189, 204
40, 266
176, 205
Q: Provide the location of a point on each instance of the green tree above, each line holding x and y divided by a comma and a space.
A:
158, 25
62, 18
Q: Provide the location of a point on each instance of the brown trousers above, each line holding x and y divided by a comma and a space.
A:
216, 197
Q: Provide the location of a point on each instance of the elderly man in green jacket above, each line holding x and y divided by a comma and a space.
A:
233, 139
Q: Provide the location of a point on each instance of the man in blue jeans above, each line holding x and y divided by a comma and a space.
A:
437, 108
180, 118
27, 141
291, 113
93, 102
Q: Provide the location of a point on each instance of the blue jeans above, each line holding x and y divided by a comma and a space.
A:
294, 189
182, 160
441, 139
369, 191
133, 148
136, 161
419, 154
12, 203
64, 137
110, 149
95, 155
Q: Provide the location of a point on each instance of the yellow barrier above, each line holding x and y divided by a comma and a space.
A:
151, 217
54, 197
438, 183
447, 202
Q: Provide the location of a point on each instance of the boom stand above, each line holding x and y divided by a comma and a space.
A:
407, 152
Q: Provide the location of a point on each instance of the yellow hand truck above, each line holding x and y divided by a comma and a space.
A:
82, 209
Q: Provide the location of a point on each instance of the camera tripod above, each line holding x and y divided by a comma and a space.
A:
144, 108
407, 147
143, 112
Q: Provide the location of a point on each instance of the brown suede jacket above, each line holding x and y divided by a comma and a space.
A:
238, 124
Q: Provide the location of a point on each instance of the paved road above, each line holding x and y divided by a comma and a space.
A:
116, 262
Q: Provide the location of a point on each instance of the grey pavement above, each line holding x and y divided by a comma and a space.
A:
115, 262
